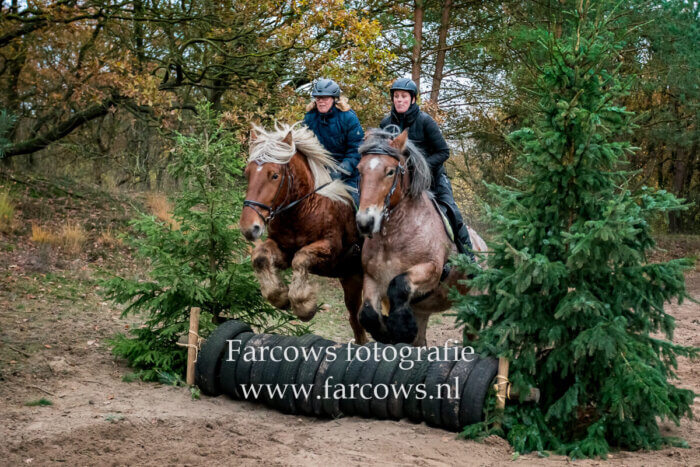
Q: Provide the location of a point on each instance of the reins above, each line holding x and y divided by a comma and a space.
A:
284, 206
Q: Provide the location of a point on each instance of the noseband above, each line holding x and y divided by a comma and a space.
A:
287, 176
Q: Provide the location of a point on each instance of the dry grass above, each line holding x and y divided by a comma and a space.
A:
44, 236
72, 237
161, 208
7, 211
108, 239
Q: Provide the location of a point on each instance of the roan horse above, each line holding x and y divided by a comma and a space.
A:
309, 218
407, 246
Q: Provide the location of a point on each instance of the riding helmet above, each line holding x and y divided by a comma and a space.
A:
404, 84
325, 87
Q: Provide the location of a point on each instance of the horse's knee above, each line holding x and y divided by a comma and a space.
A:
260, 263
401, 325
399, 291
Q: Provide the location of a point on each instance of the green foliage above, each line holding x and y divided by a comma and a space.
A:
570, 297
39, 403
196, 261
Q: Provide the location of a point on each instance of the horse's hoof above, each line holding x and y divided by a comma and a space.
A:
280, 301
305, 309
401, 326
369, 319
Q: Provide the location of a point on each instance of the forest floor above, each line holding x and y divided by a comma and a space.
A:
53, 330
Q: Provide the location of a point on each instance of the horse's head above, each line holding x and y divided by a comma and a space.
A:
269, 187
385, 179
286, 166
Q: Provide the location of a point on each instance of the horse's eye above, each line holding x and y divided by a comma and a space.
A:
275, 176
390, 173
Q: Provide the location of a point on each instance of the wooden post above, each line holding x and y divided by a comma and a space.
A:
502, 381
502, 385
192, 341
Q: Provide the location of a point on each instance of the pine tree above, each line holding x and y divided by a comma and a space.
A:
569, 295
195, 261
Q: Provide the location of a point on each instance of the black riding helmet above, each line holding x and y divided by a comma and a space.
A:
325, 87
404, 84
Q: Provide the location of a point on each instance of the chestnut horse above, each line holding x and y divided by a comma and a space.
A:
309, 219
407, 247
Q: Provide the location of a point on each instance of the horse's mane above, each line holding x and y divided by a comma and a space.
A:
269, 146
380, 141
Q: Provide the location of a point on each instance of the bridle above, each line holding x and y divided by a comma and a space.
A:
287, 176
400, 171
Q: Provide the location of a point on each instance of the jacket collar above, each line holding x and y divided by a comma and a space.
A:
406, 119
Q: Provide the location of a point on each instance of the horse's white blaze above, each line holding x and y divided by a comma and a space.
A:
374, 163
372, 216
260, 167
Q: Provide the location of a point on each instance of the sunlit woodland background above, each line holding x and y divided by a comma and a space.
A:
95, 90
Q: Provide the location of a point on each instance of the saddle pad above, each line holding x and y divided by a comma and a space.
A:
445, 221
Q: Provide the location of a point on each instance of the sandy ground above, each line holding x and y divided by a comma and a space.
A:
53, 331
96, 418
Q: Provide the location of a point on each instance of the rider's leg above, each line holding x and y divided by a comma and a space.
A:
445, 198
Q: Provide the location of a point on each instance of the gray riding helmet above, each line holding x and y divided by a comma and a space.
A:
404, 84
325, 88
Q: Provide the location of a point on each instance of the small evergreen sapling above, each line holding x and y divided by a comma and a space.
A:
196, 261
569, 296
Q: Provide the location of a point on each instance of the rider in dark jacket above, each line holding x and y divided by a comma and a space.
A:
424, 133
337, 128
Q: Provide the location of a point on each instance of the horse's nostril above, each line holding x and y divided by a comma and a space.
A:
363, 226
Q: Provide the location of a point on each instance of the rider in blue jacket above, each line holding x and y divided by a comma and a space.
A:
337, 128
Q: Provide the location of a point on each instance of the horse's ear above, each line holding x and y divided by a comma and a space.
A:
288, 139
400, 141
253, 135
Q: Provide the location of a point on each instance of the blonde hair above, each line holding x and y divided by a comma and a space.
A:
270, 147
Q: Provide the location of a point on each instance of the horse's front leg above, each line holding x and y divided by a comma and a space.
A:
301, 293
268, 264
420, 279
371, 312
352, 290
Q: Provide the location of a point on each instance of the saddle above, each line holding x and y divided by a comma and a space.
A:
445, 220
450, 234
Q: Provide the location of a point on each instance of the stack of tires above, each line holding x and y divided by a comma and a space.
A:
314, 376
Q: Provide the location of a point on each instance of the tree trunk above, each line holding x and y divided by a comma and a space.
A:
679, 168
442, 50
418, 38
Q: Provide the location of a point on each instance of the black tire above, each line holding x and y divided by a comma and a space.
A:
362, 405
336, 373
351, 376
209, 359
256, 371
383, 378
474, 395
431, 405
307, 375
412, 403
288, 374
318, 393
270, 372
243, 366
399, 380
227, 375
457, 380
